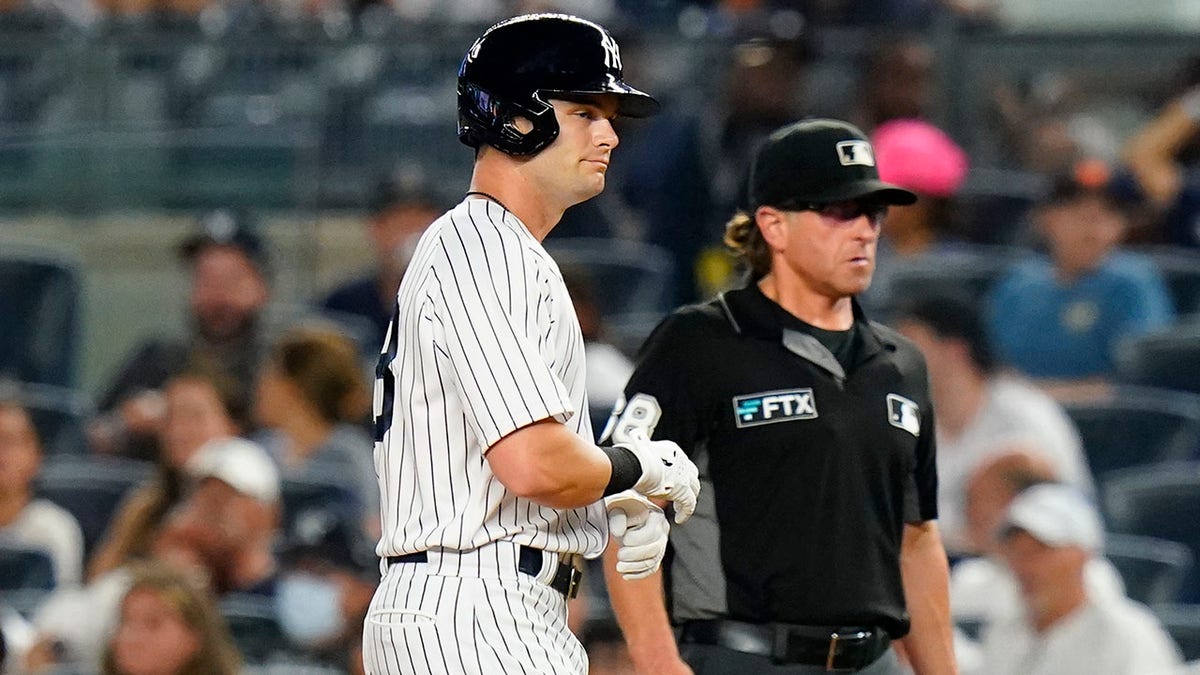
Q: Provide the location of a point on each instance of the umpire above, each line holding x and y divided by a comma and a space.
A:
814, 545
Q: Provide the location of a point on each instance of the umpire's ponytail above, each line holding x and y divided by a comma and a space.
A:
743, 237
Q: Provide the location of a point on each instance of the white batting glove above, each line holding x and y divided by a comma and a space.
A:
667, 473
641, 529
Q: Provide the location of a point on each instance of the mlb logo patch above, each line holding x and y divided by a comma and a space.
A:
770, 407
904, 414
855, 153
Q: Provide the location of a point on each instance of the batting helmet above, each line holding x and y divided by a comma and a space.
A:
518, 65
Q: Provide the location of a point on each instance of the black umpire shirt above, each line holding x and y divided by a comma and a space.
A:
810, 467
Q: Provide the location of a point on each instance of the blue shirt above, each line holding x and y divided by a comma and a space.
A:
1045, 328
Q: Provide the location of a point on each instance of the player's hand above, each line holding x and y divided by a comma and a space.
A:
667, 473
641, 530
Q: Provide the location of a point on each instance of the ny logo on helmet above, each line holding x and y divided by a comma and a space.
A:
612, 54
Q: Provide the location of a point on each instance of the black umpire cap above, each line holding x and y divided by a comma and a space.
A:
818, 161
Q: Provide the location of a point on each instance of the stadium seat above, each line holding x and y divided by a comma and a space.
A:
39, 316
252, 621
1169, 358
1137, 426
1160, 501
90, 489
24, 568
1180, 268
59, 415
963, 270
1183, 623
1152, 569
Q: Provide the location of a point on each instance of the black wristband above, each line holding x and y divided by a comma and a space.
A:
626, 469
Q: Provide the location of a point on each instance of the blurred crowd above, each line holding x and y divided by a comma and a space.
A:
218, 509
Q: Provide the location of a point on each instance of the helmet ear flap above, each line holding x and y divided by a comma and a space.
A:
487, 120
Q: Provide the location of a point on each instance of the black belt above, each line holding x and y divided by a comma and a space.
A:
566, 579
832, 647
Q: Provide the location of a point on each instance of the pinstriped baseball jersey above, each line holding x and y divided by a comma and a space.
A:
484, 341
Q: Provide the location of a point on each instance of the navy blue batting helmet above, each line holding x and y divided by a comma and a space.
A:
518, 65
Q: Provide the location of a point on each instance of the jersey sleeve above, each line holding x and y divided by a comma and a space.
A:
661, 396
920, 493
495, 311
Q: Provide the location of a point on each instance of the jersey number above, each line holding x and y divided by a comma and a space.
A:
385, 381
640, 415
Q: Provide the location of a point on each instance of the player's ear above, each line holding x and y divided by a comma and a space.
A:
772, 223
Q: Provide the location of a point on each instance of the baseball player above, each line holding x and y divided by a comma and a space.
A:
491, 489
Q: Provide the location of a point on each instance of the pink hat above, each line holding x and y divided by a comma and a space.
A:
919, 156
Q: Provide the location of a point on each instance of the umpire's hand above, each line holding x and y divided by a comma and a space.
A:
640, 529
667, 473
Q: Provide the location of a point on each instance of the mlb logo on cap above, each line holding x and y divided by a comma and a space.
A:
855, 153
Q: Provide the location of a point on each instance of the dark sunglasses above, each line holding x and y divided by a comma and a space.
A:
847, 210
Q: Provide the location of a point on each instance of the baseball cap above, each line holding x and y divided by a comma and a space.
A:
818, 160
226, 227
1057, 515
328, 535
1085, 177
917, 155
241, 464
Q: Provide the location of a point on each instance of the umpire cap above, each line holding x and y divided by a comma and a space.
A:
518, 65
818, 161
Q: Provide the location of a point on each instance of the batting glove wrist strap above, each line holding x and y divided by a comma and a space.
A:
626, 469
667, 473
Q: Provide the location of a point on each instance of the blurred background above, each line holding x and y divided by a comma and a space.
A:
1055, 145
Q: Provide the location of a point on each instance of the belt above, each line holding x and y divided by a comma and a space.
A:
566, 580
833, 647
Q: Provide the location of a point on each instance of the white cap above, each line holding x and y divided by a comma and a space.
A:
1056, 515
243, 465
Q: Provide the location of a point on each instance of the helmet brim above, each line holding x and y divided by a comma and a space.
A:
631, 102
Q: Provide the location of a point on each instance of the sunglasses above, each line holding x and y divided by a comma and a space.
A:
848, 210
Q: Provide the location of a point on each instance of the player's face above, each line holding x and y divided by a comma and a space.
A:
227, 292
831, 251
572, 168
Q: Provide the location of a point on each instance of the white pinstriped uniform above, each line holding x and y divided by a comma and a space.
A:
485, 341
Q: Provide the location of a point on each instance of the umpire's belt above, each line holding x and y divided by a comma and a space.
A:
832, 647
566, 579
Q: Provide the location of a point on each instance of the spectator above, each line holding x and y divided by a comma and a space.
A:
682, 169
226, 527
330, 573
1155, 158
981, 412
201, 406
169, 626
36, 523
1049, 534
220, 536
229, 291
309, 399
982, 590
1059, 319
919, 157
898, 83
398, 216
